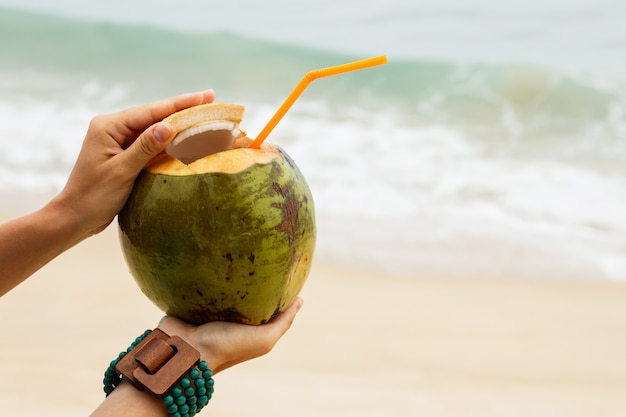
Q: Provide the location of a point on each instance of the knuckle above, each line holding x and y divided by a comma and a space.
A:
146, 146
98, 122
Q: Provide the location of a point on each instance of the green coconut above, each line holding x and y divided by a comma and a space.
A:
227, 236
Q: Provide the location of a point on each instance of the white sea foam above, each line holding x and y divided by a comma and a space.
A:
43, 123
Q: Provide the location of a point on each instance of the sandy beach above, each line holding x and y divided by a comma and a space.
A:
363, 345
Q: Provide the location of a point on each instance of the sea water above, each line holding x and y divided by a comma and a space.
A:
493, 143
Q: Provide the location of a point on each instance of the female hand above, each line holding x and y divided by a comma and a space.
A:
223, 344
116, 148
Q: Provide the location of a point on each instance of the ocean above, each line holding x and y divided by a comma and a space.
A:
492, 144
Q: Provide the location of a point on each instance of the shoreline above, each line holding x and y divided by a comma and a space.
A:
347, 246
364, 344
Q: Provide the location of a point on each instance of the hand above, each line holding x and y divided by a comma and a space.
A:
116, 148
222, 344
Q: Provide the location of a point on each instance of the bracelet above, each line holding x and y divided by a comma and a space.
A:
168, 367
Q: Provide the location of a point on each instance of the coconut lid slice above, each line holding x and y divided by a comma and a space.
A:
204, 130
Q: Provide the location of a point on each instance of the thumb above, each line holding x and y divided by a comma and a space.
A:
148, 145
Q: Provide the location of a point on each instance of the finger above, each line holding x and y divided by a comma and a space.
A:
281, 323
140, 117
137, 119
148, 145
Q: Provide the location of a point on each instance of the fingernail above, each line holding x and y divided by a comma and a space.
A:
162, 132
210, 92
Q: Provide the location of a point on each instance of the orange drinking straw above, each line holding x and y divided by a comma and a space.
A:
304, 82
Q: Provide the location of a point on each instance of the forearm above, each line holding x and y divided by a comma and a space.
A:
126, 400
31, 241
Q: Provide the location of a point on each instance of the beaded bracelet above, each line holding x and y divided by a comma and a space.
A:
185, 397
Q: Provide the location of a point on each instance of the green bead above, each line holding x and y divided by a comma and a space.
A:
185, 382
203, 366
210, 382
201, 391
189, 391
183, 409
167, 400
192, 400
194, 373
207, 374
199, 382
176, 392
203, 400
180, 401
177, 414
110, 379
172, 408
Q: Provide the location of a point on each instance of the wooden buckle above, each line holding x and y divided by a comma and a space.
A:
158, 362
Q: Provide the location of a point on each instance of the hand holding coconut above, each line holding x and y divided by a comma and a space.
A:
225, 344
221, 345
116, 148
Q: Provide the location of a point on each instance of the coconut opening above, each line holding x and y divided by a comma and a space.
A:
200, 141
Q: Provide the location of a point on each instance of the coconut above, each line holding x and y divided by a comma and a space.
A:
215, 230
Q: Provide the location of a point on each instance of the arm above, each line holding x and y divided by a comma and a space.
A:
116, 147
221, 344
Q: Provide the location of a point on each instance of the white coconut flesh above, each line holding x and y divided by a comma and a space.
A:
203, 140
218, 146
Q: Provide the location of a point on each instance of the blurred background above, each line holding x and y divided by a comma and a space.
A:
493, 143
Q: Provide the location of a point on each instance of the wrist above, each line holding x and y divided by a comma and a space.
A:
67, 222
195, 337
127, 400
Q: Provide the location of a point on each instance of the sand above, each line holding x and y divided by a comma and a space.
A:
364, 344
